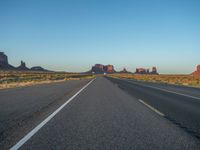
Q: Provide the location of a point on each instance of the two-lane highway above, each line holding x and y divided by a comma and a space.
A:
103, 117
100, 115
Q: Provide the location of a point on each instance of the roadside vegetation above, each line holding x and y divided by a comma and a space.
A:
10, 79
186, 80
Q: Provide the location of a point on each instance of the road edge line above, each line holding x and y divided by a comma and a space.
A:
45, 121
161, 89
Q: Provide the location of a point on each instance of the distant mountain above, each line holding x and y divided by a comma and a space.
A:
4, 65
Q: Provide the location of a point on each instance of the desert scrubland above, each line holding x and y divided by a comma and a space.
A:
186, 80
11, 79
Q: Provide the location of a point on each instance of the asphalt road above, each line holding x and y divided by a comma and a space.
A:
21, 109
113, 114
180, 104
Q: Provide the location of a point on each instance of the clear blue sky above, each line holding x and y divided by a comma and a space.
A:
72, 35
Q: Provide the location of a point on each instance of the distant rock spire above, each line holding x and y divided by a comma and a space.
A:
23, 66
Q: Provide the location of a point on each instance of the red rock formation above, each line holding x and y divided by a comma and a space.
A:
197, 72
198, 68
146, 71
141, 71
109, 68
100, 69
99, 66
154, 70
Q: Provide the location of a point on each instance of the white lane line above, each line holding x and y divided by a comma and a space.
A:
194, 97
152, 108
38, 127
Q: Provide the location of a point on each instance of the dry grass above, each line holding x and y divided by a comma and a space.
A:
186, 80
11, 79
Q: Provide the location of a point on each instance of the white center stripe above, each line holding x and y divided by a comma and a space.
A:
152, 108
37, 128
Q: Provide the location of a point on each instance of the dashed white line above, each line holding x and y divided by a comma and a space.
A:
38, 127
152, 108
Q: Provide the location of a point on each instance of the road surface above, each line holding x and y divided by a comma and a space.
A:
109, 113
23, 108
180, 104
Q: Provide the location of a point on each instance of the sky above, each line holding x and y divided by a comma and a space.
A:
73, 35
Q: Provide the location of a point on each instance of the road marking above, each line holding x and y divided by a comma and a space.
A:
152, 108
38, 127
194, 97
